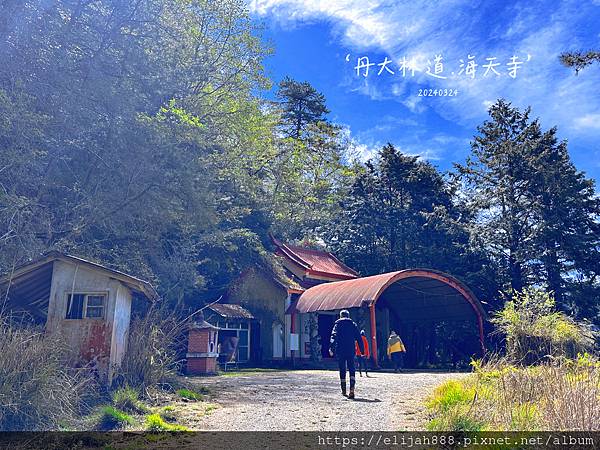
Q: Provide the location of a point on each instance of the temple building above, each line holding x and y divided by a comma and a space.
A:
286, 312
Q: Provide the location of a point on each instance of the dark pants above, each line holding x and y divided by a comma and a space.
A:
362, 364
397, 358
343, 362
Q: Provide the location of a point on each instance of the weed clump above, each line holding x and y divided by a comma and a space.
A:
113, 418
154, 422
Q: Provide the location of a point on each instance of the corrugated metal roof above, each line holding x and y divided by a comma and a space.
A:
319, 262
132, 282
231, 311
365, 291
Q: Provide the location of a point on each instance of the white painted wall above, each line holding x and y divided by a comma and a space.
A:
121, 320
99, 340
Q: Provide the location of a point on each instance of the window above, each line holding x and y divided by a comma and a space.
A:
89, 306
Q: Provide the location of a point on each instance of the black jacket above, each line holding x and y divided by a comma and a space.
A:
343, 336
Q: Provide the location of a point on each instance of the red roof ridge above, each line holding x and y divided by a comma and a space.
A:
294, 253
343, 264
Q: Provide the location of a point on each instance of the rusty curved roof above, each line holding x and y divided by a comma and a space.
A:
366, 291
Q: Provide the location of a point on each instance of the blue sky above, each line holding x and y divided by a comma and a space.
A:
312, 38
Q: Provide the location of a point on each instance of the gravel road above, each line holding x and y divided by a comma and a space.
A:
310, 400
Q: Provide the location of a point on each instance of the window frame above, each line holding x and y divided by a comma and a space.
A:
84, 308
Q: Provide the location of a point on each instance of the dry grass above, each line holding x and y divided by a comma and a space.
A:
152, 358
562, 395
38, 390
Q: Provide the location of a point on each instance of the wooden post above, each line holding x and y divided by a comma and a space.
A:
373, 336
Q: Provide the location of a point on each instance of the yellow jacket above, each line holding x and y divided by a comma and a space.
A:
395, 344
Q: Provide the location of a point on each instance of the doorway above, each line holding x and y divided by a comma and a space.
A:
325, 325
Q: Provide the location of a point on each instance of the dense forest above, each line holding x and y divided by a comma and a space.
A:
145, 134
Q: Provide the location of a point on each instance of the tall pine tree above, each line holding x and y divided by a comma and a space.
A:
537, 215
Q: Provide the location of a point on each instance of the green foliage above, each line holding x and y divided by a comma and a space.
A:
154, 422
127, 399
579, 60
533, 329
399, 213
189, 394
451, 404
168, 413
535, 213
450, 394
301, 106
112, 418
152, 108
499, 396
525, 417
309, 171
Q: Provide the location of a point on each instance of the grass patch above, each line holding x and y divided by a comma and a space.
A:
188, 394
168, 413
127, 399
499, 396
210, 408
450, 394
112, 418
154, 422
452, 404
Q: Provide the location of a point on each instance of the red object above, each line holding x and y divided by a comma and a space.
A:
199, 366
315, 262
365, 345
202, 349
366, 291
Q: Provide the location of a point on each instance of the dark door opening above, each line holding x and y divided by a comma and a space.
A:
437, 344
325, 325
255, 347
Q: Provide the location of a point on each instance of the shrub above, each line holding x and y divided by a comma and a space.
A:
534, 330
564, 395
154, 422
38, 389
189, 395
168, 413
127, 399
111, 418
151, 358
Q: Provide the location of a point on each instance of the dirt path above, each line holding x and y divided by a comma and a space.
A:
311, 401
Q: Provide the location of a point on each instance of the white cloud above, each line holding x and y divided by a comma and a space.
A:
364, 152
588, 121
426, 154
420, 29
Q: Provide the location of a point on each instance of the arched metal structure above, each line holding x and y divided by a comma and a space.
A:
397, 287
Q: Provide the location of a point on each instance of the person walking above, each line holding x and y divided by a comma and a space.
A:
395, 350
364, 356
343, 336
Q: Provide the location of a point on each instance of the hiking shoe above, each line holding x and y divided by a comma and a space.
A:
351, 394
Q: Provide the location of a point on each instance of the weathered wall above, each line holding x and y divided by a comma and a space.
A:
121, 320
90, 338
265, 299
